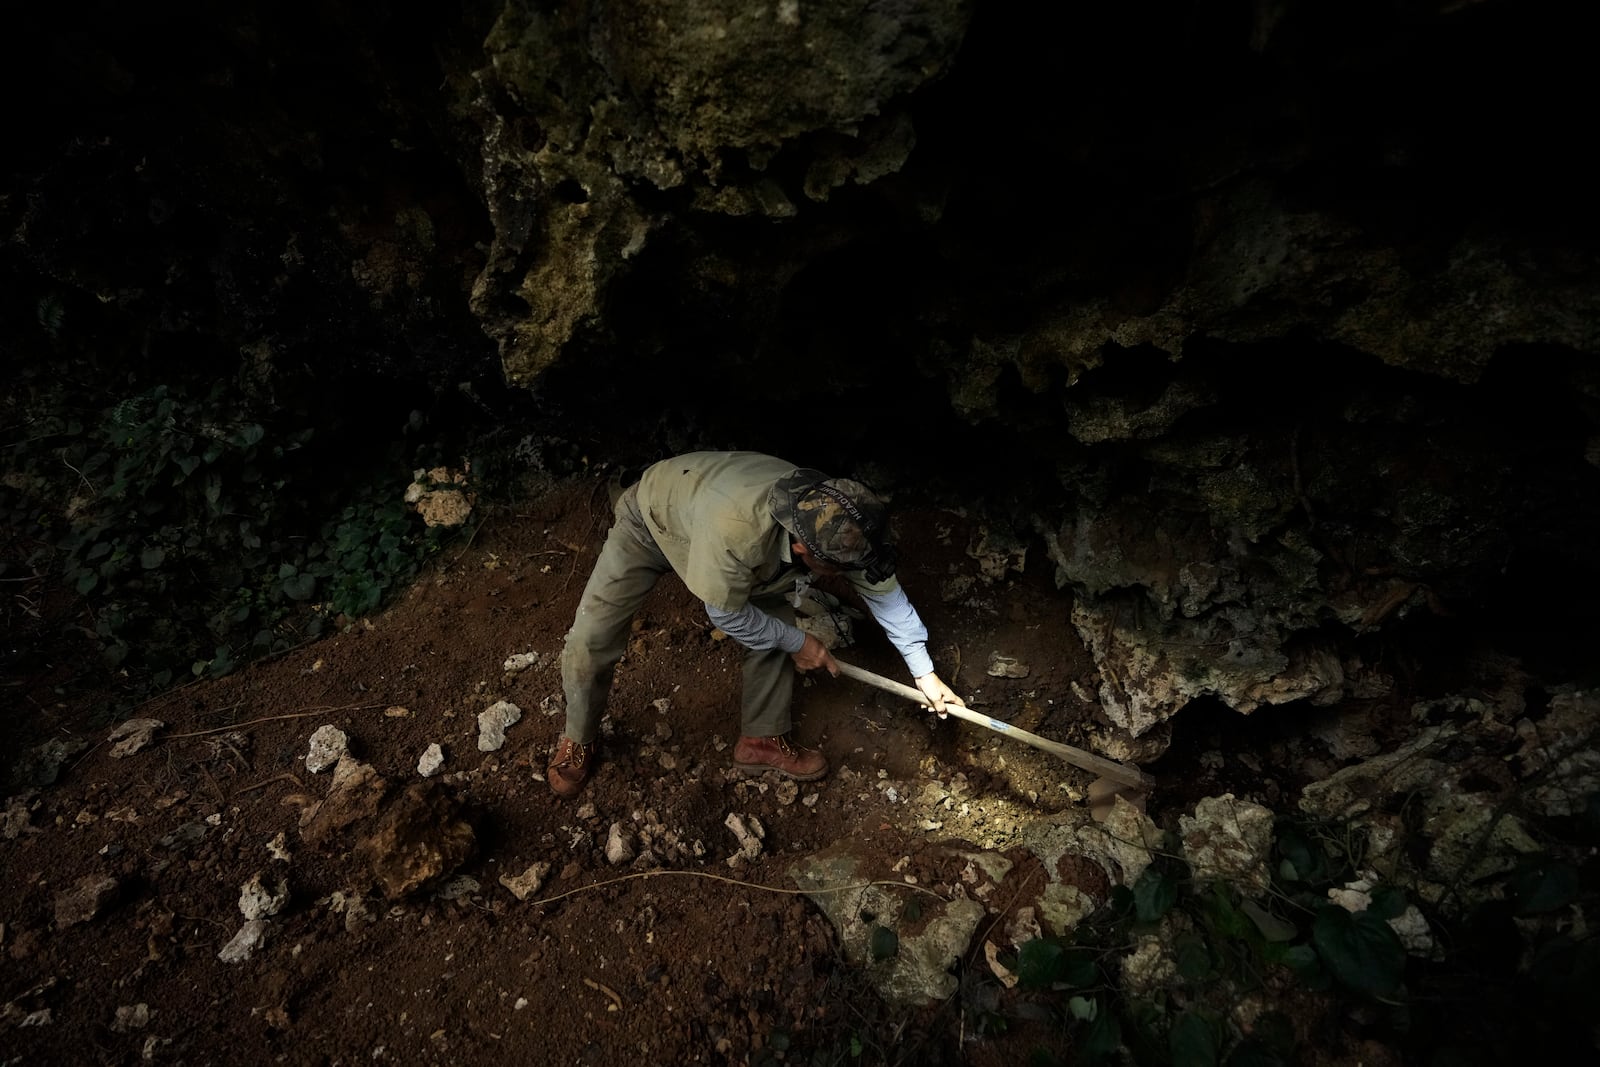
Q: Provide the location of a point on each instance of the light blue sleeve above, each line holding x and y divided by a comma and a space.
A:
755, 629
903, 626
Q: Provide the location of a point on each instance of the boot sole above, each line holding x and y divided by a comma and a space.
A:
763, 768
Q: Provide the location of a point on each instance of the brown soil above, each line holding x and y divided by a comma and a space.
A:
689, 960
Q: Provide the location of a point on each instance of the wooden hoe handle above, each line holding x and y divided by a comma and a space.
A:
1117, 772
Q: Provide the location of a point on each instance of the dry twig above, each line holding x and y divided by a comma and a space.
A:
278, 718
731, 881
616, 1001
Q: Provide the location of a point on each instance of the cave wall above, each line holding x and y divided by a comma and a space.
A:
1272, 323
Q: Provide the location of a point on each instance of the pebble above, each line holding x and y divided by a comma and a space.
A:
328, 744
251, 936
432, 759
619, 846
527, 883
256, 901
131, 1017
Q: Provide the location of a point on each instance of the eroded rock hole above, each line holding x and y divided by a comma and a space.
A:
570, 191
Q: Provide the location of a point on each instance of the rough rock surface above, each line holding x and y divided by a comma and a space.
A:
419, 838
133, 736
251, 936
492, 724
689, 97
353, 795
430, 761
1229, 839
919, 971
329, 744
1467, 832
258, 900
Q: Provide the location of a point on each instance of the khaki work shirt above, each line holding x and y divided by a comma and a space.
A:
709, 514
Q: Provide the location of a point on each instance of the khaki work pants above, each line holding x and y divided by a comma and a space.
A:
629, 566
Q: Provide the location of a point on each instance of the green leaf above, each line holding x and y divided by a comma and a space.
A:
1120, 901
1192, 1041
222, 663
1102, 1038
86, 582
885, 943
151, 558
1272, 927
299, 586
1301, 959
1360, 950
1154, 894
1193, 958
1039, 962
1307, 861
1544, 886
1078, 969
1252, 1053
1228, 920
1085, 1008
1387, 902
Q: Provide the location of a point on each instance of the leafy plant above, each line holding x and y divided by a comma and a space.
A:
195, 528
1220, 944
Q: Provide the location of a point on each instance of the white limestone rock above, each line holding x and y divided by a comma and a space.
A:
132, 736
492, 724
432, 759
257, 901
749, 832
251, 936
619, 846
1229, 839
328, 745
529, 882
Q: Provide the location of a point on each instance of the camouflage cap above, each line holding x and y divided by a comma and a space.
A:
839, 519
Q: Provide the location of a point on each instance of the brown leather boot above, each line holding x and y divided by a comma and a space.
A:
569, 767
754, 755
